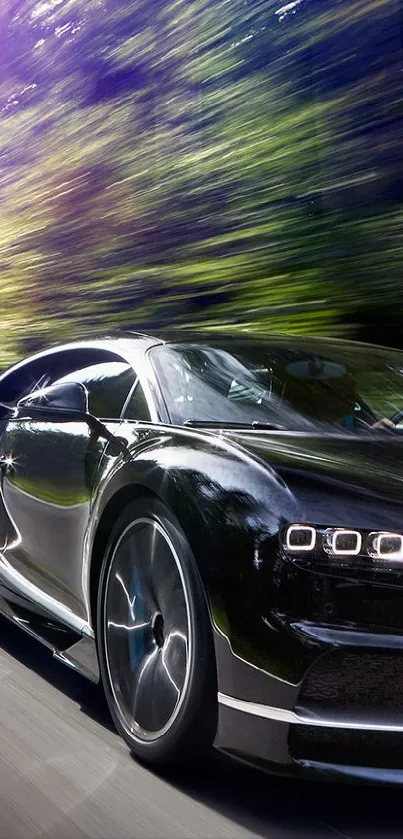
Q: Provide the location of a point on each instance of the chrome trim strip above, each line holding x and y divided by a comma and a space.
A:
15, 581
291, 718
129, 397
224, 637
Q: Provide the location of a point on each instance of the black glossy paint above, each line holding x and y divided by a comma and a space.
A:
273, 616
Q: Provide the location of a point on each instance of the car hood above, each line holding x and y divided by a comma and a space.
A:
319, 468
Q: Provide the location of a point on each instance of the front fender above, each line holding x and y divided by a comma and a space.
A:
230, 506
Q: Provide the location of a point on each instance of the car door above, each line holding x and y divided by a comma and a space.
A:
28, 376
50, 467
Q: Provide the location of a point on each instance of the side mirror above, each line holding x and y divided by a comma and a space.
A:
68, 402
67, 396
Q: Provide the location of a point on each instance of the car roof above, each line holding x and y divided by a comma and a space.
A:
223, 336
130, 343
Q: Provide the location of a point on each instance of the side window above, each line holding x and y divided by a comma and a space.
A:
108, 385
136, 407
48, 369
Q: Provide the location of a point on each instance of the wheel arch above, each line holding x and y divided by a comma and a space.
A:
228, 507
120, 499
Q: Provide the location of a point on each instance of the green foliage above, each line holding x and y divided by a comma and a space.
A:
197, 163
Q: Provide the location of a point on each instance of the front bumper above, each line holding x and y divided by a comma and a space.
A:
343, 720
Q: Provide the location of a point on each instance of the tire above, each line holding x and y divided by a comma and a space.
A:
154, 638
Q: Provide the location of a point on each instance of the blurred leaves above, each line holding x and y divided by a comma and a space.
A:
199, 162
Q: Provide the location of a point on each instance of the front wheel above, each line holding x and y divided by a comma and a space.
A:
154, 638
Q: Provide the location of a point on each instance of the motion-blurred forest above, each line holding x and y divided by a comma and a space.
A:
198, 163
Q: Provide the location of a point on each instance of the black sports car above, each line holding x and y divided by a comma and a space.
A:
213, 528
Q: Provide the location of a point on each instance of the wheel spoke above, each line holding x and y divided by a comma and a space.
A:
166, 580
141, 551
174, 657
169, 589
175, 614
166, 694
143, 691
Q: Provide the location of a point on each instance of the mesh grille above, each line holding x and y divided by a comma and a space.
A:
347, 747
343, 681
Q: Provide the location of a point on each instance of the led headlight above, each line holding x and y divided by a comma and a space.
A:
300, 537
341, 542
386, 546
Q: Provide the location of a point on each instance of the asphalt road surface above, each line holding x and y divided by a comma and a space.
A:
64, 773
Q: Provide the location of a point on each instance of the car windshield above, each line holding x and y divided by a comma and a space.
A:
293, 386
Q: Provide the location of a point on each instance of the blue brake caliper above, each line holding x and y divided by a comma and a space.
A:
137, 636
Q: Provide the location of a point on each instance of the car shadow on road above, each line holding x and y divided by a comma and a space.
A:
264, 804
285, 807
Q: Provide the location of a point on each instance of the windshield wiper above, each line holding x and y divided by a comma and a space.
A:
264, 426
